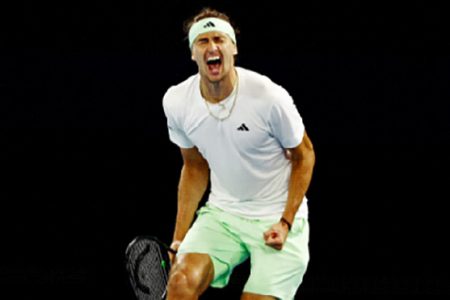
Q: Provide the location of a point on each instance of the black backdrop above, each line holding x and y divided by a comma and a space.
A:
87, 165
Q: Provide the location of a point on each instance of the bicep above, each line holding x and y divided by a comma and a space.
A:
304, 150
193, 158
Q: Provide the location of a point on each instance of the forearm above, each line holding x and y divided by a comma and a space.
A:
301, 174
192, 186
302, 162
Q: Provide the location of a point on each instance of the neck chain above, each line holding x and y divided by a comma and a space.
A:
223, 107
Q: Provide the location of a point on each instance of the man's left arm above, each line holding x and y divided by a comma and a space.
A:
302, 160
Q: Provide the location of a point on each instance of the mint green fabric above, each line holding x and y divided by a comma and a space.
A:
230, 240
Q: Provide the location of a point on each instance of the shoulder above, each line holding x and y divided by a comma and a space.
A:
254, 79
262, 87
176, 94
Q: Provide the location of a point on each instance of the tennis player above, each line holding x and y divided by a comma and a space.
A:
242, 133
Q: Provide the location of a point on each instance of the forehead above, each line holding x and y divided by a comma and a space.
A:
212, 34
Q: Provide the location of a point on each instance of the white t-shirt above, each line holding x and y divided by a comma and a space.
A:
245, 152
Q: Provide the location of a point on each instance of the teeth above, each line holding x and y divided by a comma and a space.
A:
213, 58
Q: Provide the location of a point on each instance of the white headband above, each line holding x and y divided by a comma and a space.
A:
208, 25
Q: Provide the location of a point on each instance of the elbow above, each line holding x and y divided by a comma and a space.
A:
312, 157
308, 159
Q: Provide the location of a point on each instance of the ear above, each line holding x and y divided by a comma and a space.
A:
235, 51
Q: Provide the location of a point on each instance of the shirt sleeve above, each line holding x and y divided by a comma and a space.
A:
285, 121
176, 133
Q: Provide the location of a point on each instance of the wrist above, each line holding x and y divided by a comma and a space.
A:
288, 224
175, 245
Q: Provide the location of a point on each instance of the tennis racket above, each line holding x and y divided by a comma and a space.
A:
148, 264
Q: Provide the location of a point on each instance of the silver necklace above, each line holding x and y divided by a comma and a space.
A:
223, 107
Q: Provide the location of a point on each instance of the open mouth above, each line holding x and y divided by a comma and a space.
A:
214, 63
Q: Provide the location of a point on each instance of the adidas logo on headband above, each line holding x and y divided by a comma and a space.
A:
209, 24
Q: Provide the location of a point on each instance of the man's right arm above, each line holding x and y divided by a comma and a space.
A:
193, 183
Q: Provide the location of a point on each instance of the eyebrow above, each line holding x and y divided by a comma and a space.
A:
214, 35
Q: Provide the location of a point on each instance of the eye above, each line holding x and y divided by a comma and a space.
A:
202, 41
218, 39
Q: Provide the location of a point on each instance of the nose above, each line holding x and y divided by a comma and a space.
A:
212, 46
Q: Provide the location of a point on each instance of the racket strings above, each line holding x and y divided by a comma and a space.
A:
147, 264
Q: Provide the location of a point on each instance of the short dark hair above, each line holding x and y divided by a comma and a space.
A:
207, 12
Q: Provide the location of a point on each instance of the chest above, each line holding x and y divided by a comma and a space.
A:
243, 133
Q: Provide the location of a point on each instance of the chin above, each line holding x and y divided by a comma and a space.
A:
214, 78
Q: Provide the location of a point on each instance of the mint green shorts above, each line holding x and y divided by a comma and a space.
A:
230, 240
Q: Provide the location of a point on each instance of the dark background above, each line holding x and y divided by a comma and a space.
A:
86, 163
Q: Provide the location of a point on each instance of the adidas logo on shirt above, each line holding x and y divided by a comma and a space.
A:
243, 128
209, 24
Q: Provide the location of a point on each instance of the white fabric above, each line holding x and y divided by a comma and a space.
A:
208, 25
249, 171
